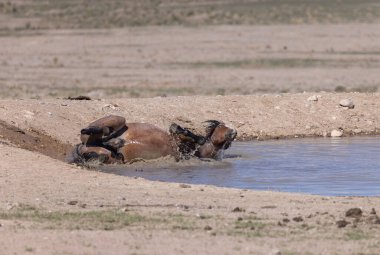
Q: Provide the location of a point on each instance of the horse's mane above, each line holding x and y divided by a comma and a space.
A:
210, 126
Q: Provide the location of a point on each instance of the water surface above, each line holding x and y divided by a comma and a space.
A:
323, 166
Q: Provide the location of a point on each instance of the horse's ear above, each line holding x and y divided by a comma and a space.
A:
210, 126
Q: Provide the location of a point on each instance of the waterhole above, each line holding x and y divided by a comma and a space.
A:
323, 166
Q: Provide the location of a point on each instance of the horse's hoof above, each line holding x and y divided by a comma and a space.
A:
175, 129
201, 140
92, 131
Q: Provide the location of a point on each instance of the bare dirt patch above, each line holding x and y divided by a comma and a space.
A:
34, 140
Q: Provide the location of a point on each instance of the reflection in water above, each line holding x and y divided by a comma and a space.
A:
324, 166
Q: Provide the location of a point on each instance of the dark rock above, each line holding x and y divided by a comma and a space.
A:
185, 186
373, 211
239, 218
298, 219
73, 202
286, 220
79, 98
342, 223
238, 209
354, 212
208, 228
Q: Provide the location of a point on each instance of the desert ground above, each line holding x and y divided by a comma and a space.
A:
272, 70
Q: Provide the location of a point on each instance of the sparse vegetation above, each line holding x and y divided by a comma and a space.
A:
117, 13
282, 63
88, 220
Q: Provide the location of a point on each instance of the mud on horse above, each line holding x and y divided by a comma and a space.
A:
112, 140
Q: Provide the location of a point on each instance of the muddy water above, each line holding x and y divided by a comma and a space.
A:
323, 166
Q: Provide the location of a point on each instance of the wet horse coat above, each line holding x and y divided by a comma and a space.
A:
112, 140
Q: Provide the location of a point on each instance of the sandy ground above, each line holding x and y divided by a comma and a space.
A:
251, 77
50, 207
159, 61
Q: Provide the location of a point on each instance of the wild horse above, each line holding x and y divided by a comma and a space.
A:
111, 140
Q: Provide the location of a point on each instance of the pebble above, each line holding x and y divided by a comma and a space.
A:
298, 219
73, 202
185, 186
238, 209
342, 223
124, 209
208, 228
336, 133
313, 98
354, 212
347, 103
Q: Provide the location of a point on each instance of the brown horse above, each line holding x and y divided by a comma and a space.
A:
112, 140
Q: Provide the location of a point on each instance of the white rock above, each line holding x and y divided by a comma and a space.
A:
347, 103
313, 98
336, 133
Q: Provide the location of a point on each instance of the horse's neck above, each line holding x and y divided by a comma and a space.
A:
208, 150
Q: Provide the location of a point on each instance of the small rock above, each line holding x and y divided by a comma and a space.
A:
354, 212
285, 220
342, 223
238, 209
124, 209
275, 252
73, 202
298, 219
336, 133
373, 219
208, 228
185, 186
347, 103
357, 131
313, 98
110, 106
373, 211
239, 219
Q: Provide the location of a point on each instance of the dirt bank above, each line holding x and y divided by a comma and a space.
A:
254, 117
48, 206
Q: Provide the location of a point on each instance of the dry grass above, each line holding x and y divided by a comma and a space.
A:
118, 13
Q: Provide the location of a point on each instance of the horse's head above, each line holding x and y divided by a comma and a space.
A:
218, 138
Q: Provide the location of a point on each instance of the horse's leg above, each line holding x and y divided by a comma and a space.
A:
186, 135
103, 129
98, 153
